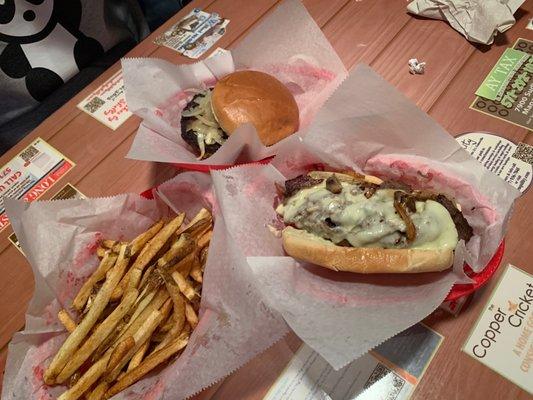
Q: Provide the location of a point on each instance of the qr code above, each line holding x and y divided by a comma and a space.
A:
380, 372
524, 152
29, 153
93, 105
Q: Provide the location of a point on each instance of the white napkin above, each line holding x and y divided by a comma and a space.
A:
477, 20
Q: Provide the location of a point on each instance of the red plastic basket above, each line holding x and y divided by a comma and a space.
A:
207, 168
458, 290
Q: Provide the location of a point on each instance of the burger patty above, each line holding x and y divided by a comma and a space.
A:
189, 135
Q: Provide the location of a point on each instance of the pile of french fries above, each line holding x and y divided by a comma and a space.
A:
136, 311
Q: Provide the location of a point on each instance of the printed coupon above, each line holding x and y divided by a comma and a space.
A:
502, 338
107, 104
507, 92
500, 156
67, 192
196, 33
391, 371
31, 173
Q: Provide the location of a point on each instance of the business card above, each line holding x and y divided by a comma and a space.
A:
391, 371
196, 33
66, 192
501, 156
507, 92
502, 338
107, 104
30, 174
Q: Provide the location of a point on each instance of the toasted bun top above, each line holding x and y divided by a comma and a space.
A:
258, 98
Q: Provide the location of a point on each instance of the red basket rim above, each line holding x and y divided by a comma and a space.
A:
215, 167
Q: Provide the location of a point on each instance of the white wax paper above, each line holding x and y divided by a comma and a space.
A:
477, 20
60, 239
286, 44
366, 126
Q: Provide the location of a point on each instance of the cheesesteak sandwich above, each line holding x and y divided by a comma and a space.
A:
359, 223
244, 96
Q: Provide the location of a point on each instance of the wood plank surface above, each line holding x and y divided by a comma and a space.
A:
431, 41
379, 33
451, 109
322, 11
362, 29
3, 357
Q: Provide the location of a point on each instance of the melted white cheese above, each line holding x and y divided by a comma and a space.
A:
204, 124
366, 222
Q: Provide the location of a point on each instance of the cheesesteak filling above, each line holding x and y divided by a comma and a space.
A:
362, 214
199, 127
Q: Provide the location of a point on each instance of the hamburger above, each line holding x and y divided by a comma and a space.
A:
359, 223
244, 96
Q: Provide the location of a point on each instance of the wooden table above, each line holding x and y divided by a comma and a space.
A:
376, 32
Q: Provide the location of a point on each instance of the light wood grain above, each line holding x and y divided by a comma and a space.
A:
16, 289
362, 29
433, 42
3, 357
322, 11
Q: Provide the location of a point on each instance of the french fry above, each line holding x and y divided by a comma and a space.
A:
205, 239
140, 241
98, 392
99, 335
178, 250
119, 352
196, 272
138, 356
151, 249
184, 286
108, 244
191, 316
142, 304
135, 323
87, 380
165, 309
185, 265
149, 363
100, 302
179, 310
177, 300
167, 325
137, 245
106, 263
146, 276
112, 338
202, 214
158, 298
142, 335
117, 245
66, 320
200, 228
